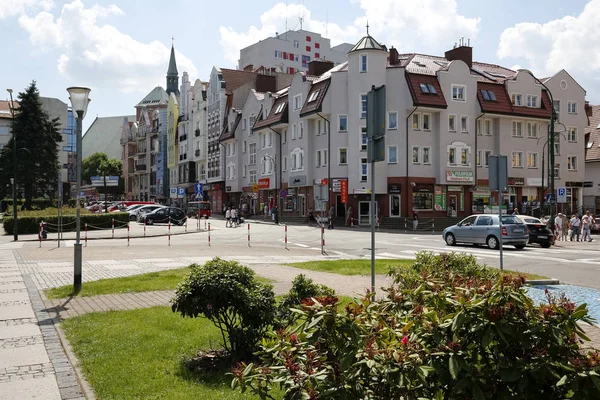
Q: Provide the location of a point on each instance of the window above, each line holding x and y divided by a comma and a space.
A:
532, 160
532, 130
452, 156
464, 157
308, 39
416, 118
452, 123
244, 146
556, 104
426, 122
426, 153
244, 171
313, 96
572, 163
464, 124
262, 141
517, 99
308, 48
268, 139
343, 156
343, 123
252, 176
531, 101
488, 95
284, 167
572, 107
486, 157
487, 127
363, 106
244, 124
300, 130
280, 107
572, 135
297, 159
317, 55
392, 120
392, 154
296, 43
517, 129
294, 132
416, 154
517, 159
364, 169
479, 158
297, 101
363, 63
556, 172
317, 46
363, 140
252, 118
318, 158
427, 88
252, 155
478, 129
458, 92
284, 136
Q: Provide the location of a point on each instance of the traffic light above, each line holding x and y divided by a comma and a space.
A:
376, 110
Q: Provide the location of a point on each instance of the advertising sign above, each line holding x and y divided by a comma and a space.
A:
344, 191
439, 198
264, 183
459, 176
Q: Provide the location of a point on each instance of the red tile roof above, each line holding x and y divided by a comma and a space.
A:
592, 133
275, 118
425, 99
235, 78
5, 108
227, 134
502, 105
315, 105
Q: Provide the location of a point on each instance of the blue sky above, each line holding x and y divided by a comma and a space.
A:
120, 48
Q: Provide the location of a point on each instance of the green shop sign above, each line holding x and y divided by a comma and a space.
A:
439, 198
459, 176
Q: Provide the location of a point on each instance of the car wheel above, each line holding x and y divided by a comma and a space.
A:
149, 221
519, 246
450, 239
492, 242
132, 218
545, 245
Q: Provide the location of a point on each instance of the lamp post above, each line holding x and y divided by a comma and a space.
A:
79, 97
276, 187
13, 180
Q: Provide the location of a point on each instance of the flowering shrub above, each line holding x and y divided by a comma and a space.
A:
228, 294
447, 329
302, 288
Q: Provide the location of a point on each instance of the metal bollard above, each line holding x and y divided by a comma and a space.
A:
404, 226
433, 226
128, 234
86, 234
186, 225
248, 234
205, 218
352, 221
286, 236
113, 228
208, 233
144, 226
40, 234
169, 231
198, 221
322, 239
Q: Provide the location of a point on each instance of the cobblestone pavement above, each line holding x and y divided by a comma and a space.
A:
33, 364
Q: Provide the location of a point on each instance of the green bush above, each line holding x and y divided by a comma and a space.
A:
229, 295
440, 333
302, 288
31, 224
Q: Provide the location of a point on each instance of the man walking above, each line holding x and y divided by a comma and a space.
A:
415, 221
228, 217
586, 222
558, 224
330, 218
349, 216
575, 227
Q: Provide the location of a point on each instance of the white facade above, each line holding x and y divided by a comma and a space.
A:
291, 51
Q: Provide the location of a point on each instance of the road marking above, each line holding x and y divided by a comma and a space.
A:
300, 245
398, 256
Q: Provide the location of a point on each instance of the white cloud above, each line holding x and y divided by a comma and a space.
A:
570, 43
398, 23
10, 8
100, 55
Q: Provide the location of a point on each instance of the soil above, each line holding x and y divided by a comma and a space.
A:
210, 361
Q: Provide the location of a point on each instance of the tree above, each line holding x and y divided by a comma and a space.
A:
98, 164
37, 139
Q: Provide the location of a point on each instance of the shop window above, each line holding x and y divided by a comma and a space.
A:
423, 198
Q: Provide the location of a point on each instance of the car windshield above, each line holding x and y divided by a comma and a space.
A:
510, 220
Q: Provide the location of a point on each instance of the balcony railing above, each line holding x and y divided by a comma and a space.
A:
140, 167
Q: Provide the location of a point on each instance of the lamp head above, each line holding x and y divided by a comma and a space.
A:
79, 97
9, 91
12, 181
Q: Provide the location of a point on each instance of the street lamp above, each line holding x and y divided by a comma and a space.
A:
79, 97
14, 179
276, 187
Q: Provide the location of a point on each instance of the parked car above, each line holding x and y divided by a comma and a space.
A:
165, 214
485, 229
539, 232
142, 209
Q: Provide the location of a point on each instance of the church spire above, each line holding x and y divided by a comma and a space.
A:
172, 74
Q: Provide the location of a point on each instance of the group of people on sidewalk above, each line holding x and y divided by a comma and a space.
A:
233, 217
567, 229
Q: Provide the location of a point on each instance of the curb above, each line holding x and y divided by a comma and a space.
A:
535, 282
111, 238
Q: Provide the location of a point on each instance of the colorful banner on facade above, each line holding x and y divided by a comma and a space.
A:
459, 176
344, 191
439, 198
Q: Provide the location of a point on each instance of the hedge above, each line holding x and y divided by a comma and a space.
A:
94, 221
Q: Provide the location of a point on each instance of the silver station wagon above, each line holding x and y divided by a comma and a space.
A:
485, 229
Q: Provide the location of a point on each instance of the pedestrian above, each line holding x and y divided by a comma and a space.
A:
234, 217
516, 211
349, 216
330, 218
266, 209
565, 225
311, 217
415, 221
558, 226
575, 227
586, 223
228, 218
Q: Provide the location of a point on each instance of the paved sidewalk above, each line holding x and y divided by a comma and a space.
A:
33, 364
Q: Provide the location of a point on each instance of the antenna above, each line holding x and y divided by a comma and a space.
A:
301, 19
326, 23
286, 26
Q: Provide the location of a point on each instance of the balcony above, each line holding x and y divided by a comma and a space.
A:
182, 157
183, 117
182, 138
140, 167
197, 132
197, 153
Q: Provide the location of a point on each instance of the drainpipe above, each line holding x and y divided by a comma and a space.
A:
278, 185
328, 161
407, 154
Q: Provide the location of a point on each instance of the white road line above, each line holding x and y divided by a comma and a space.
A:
300, 245
391, 255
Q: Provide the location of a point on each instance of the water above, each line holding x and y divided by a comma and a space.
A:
576, 294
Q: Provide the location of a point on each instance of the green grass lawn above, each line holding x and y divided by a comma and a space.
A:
363, 267
161, 280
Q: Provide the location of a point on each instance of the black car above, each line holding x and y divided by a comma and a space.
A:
539, 232
165, 214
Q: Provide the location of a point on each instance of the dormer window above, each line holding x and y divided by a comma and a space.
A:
488, 95
363, 63
532, 101
279, 108
427, 88
313, 96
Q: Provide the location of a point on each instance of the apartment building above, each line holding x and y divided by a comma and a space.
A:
291, 52
445, 116
199, 123
591, 185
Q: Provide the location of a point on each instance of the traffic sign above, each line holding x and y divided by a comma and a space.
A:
283, 193
255, 187
550, 198
561, 194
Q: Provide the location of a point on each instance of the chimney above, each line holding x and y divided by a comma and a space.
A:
588, 109
317, 67
461, 52
393, 56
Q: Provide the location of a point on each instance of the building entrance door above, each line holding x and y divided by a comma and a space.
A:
302, 205
340, 207
364, 213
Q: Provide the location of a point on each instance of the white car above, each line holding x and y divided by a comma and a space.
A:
144, 209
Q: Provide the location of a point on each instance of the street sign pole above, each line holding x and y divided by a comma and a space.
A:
498, 174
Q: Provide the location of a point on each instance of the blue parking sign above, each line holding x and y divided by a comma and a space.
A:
561, 195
